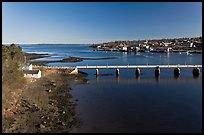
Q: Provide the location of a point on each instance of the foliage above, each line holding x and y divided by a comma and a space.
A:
12, 58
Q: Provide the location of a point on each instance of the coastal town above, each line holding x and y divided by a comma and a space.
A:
187, 45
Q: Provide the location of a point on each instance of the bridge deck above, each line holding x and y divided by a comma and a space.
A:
128, 66
139, 66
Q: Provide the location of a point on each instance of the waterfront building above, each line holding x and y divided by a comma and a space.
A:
124, 48
27, 67
32, 73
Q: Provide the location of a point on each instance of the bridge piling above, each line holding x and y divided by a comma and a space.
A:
137, 72
117, 72
97, 72
157, 71
177, 71
196, 72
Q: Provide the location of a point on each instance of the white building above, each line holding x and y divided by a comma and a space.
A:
167, 44
98, 46
151, 49
168, 49
137, 49
142, 45
147, 47
192, 45
124, 48
32, 73
28, 67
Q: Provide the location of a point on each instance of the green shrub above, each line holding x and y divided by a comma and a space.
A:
12, 57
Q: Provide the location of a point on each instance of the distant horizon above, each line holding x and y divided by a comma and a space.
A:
98, 22
105, 42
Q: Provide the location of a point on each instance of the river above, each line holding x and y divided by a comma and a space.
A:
129, 104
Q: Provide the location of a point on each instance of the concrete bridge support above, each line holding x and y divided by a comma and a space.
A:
196, 72
75, 71
177, 71
97, 72
137, 72
157, 71
117, 72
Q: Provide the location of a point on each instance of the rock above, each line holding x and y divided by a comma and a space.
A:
58, 121
71, 119
42, 126
44, 122
52, 81
51, 103
37, 126
49, 90
63, 124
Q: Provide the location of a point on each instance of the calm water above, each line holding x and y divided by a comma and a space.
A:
130, 104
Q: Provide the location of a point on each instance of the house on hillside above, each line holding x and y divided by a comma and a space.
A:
125, 48
32, 73
27, 67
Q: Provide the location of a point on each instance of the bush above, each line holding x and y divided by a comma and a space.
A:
12, 57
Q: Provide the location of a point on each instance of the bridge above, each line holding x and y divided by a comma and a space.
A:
196, 70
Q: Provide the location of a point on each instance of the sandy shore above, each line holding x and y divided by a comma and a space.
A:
45, 104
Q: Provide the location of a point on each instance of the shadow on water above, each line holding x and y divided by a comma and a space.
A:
97, 78
157, 77
176, 76
118, 79
195, 76
137, 77
103, 75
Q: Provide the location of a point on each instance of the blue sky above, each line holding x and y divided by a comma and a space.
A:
97, 22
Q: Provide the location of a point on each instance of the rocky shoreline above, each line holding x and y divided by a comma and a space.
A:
32, 56
45, 105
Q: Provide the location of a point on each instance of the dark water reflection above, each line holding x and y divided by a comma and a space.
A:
140, 105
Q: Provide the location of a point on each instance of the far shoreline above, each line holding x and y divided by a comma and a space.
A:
34, 56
